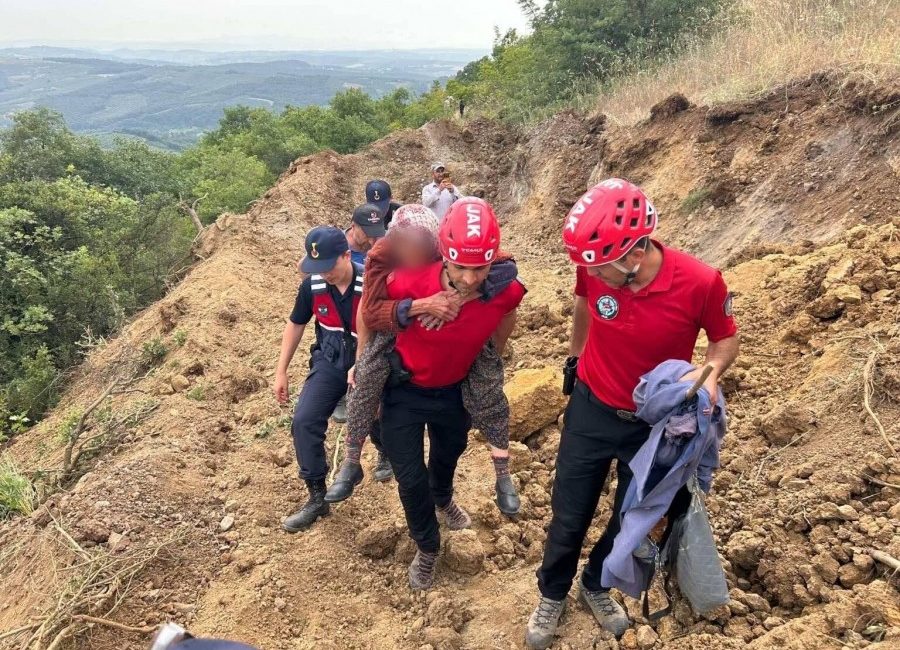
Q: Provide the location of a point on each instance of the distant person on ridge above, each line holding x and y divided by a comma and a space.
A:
441, 193
330, 294
638, 304
379, 193
411, 243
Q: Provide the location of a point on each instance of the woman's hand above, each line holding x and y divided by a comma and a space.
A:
351, 377
444, 305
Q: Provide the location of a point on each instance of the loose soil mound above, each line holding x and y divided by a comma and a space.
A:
794, 194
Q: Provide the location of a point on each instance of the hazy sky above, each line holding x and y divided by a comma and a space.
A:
267, 24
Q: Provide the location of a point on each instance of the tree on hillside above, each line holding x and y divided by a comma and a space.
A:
38, 145
228, 179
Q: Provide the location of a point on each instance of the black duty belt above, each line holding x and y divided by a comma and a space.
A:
622, 414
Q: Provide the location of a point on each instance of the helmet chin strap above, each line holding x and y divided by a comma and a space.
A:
629, 275
632, 274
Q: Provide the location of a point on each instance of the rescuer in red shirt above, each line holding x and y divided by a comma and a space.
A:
637, 303
426, 390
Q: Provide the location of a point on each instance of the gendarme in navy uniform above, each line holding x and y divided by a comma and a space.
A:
331, 296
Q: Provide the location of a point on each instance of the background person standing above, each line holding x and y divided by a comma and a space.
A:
441, 193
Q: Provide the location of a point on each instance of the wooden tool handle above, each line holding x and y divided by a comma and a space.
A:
692, 391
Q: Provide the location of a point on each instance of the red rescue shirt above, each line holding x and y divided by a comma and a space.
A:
632, 333
443, 357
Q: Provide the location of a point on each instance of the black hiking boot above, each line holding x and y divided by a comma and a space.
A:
507, 498
383, 470
314, 508
421, 571
348, 477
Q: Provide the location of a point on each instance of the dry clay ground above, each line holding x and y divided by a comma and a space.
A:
795, 194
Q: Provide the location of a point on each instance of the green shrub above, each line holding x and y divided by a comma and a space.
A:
694, 200
31, 393
179, 337
197, 393
16, 491
153, 352
67, 426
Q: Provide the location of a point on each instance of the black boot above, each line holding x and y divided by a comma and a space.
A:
311, 510
383, 470
507, 497
348, 477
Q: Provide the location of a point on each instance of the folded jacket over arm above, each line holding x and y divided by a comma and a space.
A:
660, 396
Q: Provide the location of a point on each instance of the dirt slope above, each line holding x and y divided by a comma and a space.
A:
795, 194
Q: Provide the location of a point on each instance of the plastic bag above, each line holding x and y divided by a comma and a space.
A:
696, 562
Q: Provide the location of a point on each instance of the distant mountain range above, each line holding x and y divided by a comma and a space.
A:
170, 97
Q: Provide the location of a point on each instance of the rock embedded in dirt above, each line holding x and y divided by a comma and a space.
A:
464, 552
442, 638
646, 637
179, 383
378, 540
827, 307
283, 456
771, 622
856, 572
519, 456
443, 612
535, 400
745, 549
784, 422
226, 524
849, 294
830, 511
671, 105
827, 567
91, 530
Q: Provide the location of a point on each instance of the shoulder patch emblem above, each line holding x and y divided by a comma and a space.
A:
607, 307
323, 310
728, 307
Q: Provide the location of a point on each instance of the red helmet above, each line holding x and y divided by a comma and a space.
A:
607, 222
470, 234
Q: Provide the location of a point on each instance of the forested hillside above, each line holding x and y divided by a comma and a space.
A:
171, 99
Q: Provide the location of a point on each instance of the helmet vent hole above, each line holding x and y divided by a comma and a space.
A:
618, 219
594, 237
636, 204
625, 242
607, 250
634, 222
620, 205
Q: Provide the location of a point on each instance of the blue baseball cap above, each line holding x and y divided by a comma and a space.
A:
324, 245
379, 193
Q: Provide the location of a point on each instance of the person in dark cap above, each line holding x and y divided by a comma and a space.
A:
330, 294
379, 193
365, 229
